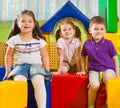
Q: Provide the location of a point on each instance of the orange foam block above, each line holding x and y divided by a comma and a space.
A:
13, 94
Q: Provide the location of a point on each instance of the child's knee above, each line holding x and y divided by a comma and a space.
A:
94, 86
108, 77
64, 69
109, 74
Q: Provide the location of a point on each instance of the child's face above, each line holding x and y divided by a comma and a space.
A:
67, 31
97, 31
26, 23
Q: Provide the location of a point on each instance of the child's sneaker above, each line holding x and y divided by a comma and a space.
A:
92, 106
106, 106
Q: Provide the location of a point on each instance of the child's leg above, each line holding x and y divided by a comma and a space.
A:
108, 74
40, 90
19, 78
91, 106
94, 86
65, 67
92, 93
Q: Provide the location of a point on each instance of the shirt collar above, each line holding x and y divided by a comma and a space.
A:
72, 42
100, 42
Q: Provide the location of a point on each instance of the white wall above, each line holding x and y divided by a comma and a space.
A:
44, 9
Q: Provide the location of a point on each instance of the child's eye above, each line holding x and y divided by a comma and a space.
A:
30, 21
102, 29
64, 30
70, 28
22, 21
95, 28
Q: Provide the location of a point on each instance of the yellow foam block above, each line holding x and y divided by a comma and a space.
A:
115, 38
112, 37
13, 94
113, 93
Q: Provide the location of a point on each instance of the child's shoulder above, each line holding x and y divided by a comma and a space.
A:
88, 40
15, 37
108, 40
61, 40
77, 40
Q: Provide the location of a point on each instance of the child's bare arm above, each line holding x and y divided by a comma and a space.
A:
83, 66
77, 59
60, 59
45, 58
115, 59
8, 60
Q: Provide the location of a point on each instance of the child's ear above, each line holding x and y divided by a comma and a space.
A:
89, 30
18, 24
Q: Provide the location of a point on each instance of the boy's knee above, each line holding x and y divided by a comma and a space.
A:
109, 74
108, 77
94, 86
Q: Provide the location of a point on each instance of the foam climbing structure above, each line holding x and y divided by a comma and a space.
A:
69, 91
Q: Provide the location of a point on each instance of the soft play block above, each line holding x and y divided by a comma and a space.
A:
13, 94
69, 91
2, 72
113, 93
101, 97
31, 98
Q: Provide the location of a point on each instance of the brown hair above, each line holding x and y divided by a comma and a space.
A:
37, 34
68, 21
97, 19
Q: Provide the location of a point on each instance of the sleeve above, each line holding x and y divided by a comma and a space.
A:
60, 43
84, 51
10, 42
42, 43
112, 49
77, 43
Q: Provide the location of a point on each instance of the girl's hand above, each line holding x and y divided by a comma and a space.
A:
5, 77
80, 73
56, 73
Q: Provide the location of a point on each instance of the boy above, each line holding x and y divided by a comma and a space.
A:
102, 57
